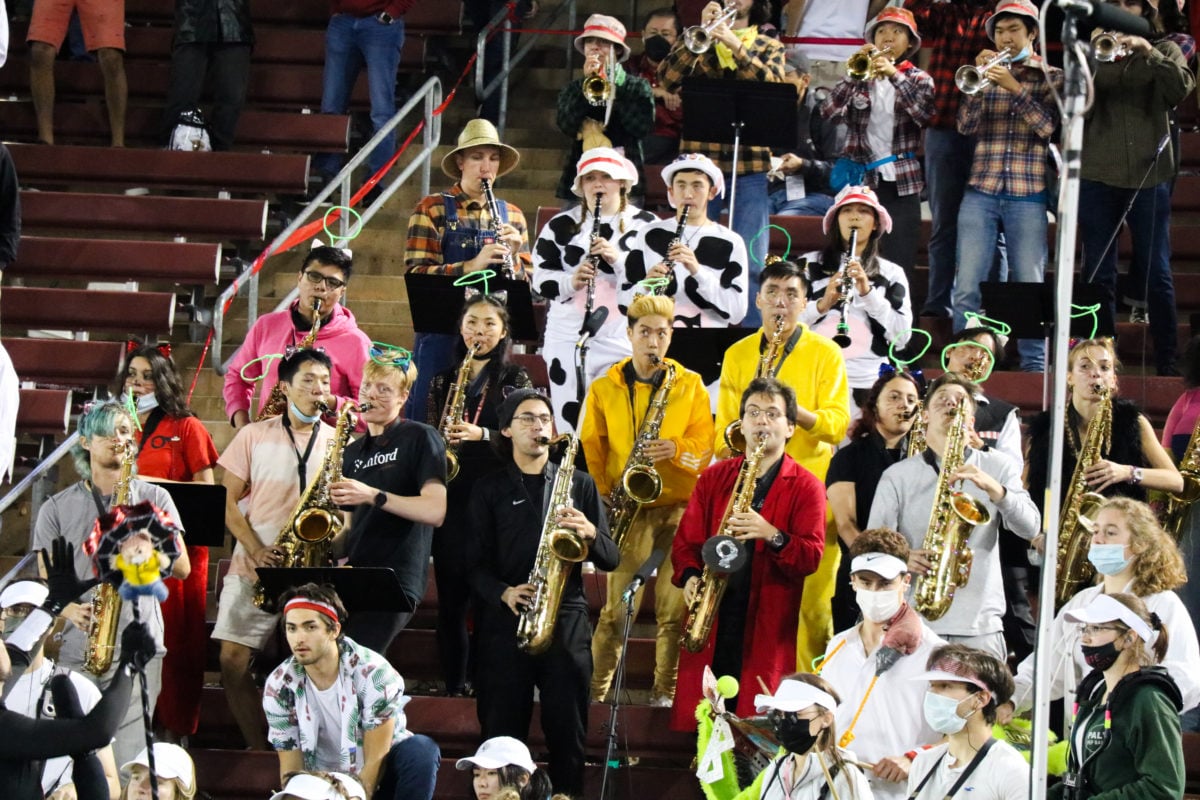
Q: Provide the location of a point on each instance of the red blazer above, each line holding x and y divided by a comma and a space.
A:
795, 505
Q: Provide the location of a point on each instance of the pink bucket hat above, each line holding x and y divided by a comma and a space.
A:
1020, 8
610, 29
858, 194
900, 16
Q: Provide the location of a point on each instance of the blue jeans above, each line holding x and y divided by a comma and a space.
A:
1150, 271
813, 205
410, 770
981, 218
751, 215
350, 44
432, 353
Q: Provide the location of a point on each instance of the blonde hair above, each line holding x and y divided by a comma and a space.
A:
1148, 654
374, 371
180, 791
645, 305
1157, 565
1081, 347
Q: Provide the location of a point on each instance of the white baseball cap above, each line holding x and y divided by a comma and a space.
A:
307, 786
497, 752
698, 162
884, 565
794, 696
170, 761
24, 592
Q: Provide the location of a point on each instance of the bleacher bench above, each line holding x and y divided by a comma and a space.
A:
169, 216
85, 310
116, 260
44, 411
64, 362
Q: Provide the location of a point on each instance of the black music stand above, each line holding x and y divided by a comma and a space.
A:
360, 588
435, 303
702, 350
739, 112
201, 509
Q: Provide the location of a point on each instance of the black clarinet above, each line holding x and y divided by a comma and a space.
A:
595, 260
493, 208
672, 284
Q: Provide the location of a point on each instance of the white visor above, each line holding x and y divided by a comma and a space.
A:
794, 696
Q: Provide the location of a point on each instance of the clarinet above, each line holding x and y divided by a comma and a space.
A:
591, 284
494, 213
671, 287
842, 337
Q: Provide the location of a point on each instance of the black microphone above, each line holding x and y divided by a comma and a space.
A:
1108, 17
592, 324
643, 574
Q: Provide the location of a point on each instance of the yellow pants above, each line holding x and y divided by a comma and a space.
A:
816, 614
654, 529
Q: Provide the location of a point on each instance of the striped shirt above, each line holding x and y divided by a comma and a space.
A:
423, 253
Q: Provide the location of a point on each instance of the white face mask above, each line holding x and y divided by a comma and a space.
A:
878, 606
147, 402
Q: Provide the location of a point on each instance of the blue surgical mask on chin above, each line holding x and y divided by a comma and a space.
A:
1108, 559
941, 713
305, 418
147, 403
1025, 53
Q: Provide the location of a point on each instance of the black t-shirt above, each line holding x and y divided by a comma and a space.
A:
862, 463
399, 461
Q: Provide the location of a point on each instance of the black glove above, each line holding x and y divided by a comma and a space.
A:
137, 645
60, 577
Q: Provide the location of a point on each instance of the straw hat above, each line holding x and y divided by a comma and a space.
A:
610, 29
480, 133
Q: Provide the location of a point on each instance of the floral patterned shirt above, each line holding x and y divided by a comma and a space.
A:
370, 693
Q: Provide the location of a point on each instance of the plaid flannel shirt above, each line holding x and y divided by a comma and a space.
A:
850, 102
1012, 132
953, 34
763, 61
423, 253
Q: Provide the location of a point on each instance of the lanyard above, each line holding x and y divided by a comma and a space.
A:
301, 460
961, 778
787, 349
98, 499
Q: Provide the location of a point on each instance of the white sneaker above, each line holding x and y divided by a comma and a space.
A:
661, 701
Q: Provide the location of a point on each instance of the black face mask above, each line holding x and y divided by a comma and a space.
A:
1101, 657
656, 47
793, 733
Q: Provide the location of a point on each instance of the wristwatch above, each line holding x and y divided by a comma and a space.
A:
485, 435
385, 18
1135, 476
778, 540
381, 500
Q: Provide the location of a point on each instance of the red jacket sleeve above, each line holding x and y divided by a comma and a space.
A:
798, 509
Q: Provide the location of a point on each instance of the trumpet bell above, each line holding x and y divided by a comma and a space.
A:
642, 484
1107, 49
858, 67
697, 40
597, 90
970, 79
316, 525
568, 545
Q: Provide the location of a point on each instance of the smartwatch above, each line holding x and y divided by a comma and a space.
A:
1135, 476
381, 500
385, 18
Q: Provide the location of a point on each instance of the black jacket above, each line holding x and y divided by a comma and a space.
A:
10, 209
213, 22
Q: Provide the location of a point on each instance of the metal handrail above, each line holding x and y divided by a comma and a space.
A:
42, 467
501, 25
430, 94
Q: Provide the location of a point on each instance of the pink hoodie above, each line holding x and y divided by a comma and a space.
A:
340, 337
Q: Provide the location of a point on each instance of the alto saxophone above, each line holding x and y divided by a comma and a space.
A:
276, 402
640, 482
768, 367
955, 514
1175, 514
702, 611
493, 209
307, 538
559, 549
916, 434
455, 410
106, 602
1080, 506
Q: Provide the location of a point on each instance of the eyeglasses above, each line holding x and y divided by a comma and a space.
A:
1094, 630
528, 420
316, 279
772, 414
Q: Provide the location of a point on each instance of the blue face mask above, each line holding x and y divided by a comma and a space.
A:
941, 713
305, 418
1025, 53
1108, 559
147, 402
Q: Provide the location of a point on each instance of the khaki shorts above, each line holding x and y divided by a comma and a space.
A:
238, 619
103, 23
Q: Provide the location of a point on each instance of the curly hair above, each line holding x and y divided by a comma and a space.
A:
1157, 565
881, 540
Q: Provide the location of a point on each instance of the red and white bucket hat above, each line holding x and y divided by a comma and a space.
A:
1019, 8
900, 16
608, 161
610, 29
858, 194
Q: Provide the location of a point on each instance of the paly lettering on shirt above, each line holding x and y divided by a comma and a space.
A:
376, 460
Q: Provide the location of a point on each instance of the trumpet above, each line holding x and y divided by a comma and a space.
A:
1107, 48
972, 80
598, 87
698, 38
861, 66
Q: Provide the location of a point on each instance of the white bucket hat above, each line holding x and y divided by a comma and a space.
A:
858, 194
608, 161
698, 162
610, 29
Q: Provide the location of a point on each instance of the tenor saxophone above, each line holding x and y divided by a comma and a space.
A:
955, 514
307, 538
1175, 514
1080, 506
702, 611
768, 366
106, 602
559, 549
640, 482
455, 410
276, 402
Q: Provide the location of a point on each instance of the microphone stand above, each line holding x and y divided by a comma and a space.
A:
611, 762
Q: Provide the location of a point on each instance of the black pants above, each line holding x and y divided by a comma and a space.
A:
900, 246
563, 675
454, 604
375, 630
229, 66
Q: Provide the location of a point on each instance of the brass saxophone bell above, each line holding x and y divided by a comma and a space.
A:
568, 545
451, 466
643, 484
735, 439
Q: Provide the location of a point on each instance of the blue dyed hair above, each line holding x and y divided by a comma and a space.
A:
99, 420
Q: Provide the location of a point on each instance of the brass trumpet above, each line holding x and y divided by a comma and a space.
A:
1107, 48
972, 80
861, 66
698, 38
598, 88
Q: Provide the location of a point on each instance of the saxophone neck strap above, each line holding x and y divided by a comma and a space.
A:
301, 459
764, 342
971, 767
98, 499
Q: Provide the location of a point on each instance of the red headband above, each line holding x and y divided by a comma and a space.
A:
312, 605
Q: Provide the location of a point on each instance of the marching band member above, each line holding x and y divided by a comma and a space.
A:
507, 522
704, 261
174, 445
877, 308
576, 273
812, 367
490, 379
619, 407
872, 664
394, 478
877, 442
452, 233
104, 431
1133, 554
323, 276
268, 465
971, 761
782, 531
905, 497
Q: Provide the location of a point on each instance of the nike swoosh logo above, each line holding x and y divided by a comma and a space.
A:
518, 502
